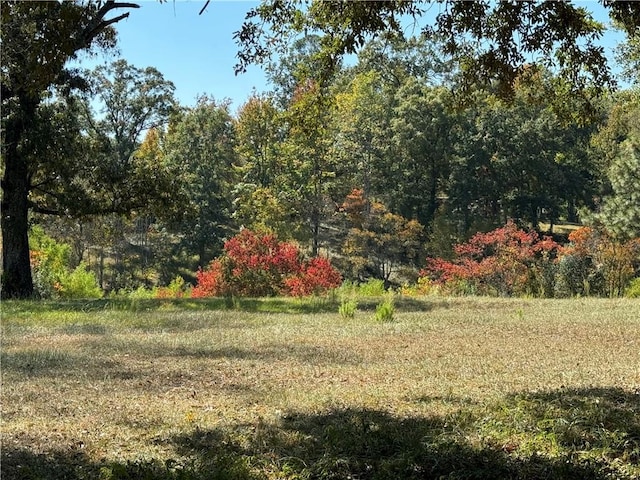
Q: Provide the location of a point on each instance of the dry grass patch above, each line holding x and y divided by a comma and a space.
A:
460, 387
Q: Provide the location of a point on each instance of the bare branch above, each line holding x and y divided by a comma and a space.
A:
43, 210
205, 7
98, 24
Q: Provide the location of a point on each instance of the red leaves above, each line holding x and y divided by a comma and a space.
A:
501, 261
255, 264
210, 282
316, 277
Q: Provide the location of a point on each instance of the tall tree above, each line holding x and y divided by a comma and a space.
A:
361, 128
421, 129
306, 153
200, 149
130, 101
492, 41
38, 39
617, 147
258, 131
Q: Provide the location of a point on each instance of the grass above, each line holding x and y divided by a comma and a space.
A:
265, 389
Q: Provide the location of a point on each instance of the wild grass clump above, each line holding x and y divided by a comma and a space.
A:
348, 308
385, 310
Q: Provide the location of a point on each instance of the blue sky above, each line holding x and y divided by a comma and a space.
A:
198, 52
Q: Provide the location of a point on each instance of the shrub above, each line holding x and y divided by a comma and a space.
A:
315, 277
175, 289
385, 310
371, 288
257, 265
576, 276
606, 265
505, 261
49, 262
140, 293
210, 282
424, 286
348, 308
80, 283
633, 290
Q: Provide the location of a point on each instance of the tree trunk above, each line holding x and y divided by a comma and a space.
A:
16, 268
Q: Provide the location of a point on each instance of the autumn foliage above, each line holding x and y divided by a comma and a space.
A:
505, 261
596, 263
258, 264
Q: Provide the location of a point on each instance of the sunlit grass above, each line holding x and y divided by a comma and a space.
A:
280, 388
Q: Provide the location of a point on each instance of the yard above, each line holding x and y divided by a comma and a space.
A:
274, 388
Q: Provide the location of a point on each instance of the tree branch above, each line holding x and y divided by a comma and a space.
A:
205, 7
43, 210
98, 24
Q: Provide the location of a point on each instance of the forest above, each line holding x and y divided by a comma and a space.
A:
389, 167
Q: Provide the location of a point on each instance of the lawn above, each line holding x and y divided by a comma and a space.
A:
452, 388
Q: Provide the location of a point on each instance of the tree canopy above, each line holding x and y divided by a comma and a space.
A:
38, 39
540, 137
492, 42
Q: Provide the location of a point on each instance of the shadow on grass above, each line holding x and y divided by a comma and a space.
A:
484, 443
252, 305
307, 305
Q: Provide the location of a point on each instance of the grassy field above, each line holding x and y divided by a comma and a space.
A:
452, 388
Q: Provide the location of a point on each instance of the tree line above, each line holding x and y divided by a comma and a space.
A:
377, 164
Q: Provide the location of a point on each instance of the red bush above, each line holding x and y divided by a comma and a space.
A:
210, 282
506, 260
316, 277
257, 265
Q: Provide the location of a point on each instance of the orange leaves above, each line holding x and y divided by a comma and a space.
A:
501, 261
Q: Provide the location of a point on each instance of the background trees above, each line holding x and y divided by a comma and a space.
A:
151, 189
199, 149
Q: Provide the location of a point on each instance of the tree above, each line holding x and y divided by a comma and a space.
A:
517, 159
200, 149
308, 165
38, 39
620, 211
491, 41
378, 242
396, 58
421, 130
360, 125
302, 62
617, 148
259, 131
130, 101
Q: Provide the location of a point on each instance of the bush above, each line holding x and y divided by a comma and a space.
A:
506, 261
176, 289
140, 293
371, 288
576, 276
259, 265
316, 277
603, 264
385, 310
424, 286
80, 283
49, 262
633, 290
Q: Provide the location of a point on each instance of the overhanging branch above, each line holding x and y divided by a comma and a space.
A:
98, 24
